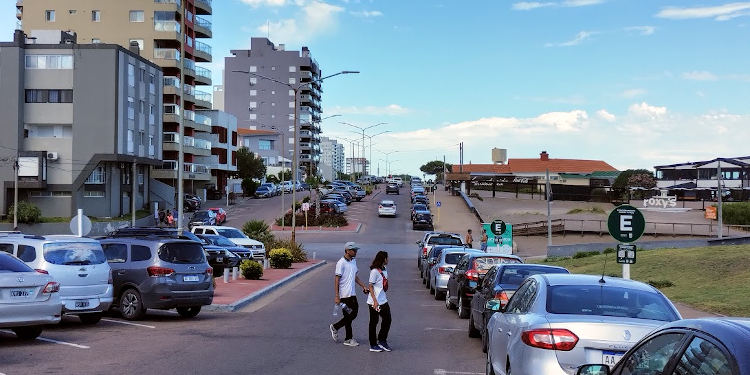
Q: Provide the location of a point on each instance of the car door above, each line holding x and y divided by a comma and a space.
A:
455, 279
481, 297
654, 355
117, 257
507, 325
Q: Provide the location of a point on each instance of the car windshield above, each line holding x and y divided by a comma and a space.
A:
230, 233
74, 253
420, 207
608, 301
8, 263
182, 253
482, 264
387, 204
222, 241
516, 275
453, 258
201, 215
440, 240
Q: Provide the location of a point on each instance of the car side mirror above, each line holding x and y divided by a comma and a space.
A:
493, 305
593, 370
419, 243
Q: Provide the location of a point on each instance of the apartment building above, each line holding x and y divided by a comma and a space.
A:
79, 119
224, 143
357, 165
331, 158
262, 104
156, 26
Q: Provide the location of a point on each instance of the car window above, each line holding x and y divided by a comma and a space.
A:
517, 300
608, 301
439, 240
652, 357
516, 275
182, 253
482, 264
10, 264
139, 253
231, 233
489, 278
6, 247
198, 231
453, 258
703, 358
26, 253
74, 253
528, 298
115, 252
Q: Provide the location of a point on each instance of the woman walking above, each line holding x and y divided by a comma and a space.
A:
378, 303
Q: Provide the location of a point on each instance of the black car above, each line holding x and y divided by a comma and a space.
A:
466, 276
421, 218
690, 346
154, 232
496, 288
191, 203
432, 258
392, 188
202, 217
220, 258
225, 243
421, 199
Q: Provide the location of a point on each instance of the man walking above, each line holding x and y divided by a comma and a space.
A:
469, 240
344, 280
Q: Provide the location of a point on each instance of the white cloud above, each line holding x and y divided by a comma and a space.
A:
645, 110
720, 12
316, 18
367, 13
259, 3
390, 110
529, 5
699, 76
580, 37
581, 3
606, 116
642, 30
632, 93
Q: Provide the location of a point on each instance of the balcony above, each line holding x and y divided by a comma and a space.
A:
168, 170
201, 123
202, 99
202, 52
305, 74
189, 92
202, 76
170, 141
175, 2
167, 30
167, 57
203, 7
171, 86
305, 134
202, 28
171, 113
305, 157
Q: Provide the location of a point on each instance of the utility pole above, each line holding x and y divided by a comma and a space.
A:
461, 157
181, 151
15, 195
549, 211
718, 180
444, 170
134, 188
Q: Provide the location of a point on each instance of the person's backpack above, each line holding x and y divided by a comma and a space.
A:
385, 281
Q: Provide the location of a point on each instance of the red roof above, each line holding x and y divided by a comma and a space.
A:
538, 165
255, 132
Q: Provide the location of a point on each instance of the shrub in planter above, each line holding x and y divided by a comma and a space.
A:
28, 213
251, 269
259, 231
298, 252
280, 258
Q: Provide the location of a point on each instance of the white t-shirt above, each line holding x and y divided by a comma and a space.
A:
376, 279
347, 270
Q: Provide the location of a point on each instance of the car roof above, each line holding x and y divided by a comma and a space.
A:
387, 201
214, 227
530, 266
52, 237
733, 332
580, 279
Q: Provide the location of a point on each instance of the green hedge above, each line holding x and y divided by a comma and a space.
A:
280, 258
251, 269
735, 213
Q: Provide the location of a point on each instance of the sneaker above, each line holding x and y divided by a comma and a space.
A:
384, 345
351, 342
334, 333
376, 348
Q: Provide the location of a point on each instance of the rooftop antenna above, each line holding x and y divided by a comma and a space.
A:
268, 29
602, 281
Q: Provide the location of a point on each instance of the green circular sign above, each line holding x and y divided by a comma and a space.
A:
626, 223
497, 227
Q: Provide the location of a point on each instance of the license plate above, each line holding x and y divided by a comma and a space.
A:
81, 304
219, 259
190, 278
611, 358
21, 293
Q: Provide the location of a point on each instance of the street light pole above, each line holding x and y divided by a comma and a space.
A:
363, 134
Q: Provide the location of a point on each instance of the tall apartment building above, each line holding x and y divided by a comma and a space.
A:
357, 165
331, 158
156, 26
263, 104
78, 118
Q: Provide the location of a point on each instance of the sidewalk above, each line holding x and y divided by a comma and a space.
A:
453, 215
241, 292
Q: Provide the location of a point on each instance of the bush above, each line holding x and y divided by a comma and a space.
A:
249, 186
299, 254
259, 231
28, 213
555, 259
585, 254
306, 199
732, 213
280, 258
251, 269
325, 219
660, 284
608, 250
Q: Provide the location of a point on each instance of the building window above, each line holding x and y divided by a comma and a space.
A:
291, 92
291, 104
253, 69
131, 108
265, 144
253, 80
273, 68
253, 116
151, 150
136, 16
93, 194
131, 75
151, 114
47, 194
139, 41
292, 69
273, 92
95, 40
151, 83
253, 92
131, 146
49, 96
97, 177
72, 11
142, 106
273, 104
49, 15
49, 131
49, 62
253, 105
96, 15
292, 80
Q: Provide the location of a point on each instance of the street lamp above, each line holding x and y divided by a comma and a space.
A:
296, 89
310, 169
351, 143
281, 161
373, 136
363, 134
387, 154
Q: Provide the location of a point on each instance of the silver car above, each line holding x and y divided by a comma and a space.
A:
441, 271
557, 322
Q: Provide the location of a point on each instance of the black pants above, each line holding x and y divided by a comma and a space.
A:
346, 321
385, 324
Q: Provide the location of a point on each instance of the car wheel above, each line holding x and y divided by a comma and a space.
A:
448, 304
27, 333
473, 331
90, 319
439, 295
188, 312
488, 370
131, 305
463, 312
428, 285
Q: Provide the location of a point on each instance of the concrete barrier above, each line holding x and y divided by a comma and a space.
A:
471, 207
570, 250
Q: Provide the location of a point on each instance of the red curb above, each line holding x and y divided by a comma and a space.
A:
352, 226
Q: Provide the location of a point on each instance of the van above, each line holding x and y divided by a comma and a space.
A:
77, 263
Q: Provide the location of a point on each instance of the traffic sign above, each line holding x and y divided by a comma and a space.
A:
437, 203
498, 227
625, 253
85, 225
626, 223
306, 206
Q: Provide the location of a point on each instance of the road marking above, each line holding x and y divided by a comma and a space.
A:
63, 343
444, 329
432, 304
439, 371
421, 290
128, 323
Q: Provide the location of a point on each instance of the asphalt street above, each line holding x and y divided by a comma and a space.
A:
284, 333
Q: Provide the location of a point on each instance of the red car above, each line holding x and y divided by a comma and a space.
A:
221, 215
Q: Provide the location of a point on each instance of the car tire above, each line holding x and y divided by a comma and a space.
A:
473, 331
90, 319
28, 332
188, 311
439, 295
427, 283
131, 305
488, 370
448, 304
484, 339
463, 312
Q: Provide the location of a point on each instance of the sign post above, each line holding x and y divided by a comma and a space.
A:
306, 207
438, 204
626, 224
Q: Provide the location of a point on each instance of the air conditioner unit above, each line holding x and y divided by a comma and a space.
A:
52, 156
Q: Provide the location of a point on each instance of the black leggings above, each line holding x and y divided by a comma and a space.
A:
346, 321
385, 325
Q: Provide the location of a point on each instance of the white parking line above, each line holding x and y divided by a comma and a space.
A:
444, 329
63, 343
432, 304
128, 323
439, 371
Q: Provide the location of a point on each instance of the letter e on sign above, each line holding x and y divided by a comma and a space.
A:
626, 223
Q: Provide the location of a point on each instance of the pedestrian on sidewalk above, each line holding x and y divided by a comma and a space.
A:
378, 303
469, 240
344, 281
170, 218
483, 241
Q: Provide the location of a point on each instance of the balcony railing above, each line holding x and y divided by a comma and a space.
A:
189, 115
170, 137
202, 22
189, 90
168, 165
172, 81
201, 119
202, 144
203, 47
189, 64
167, 26
202, 72
176, 2
200, 168
167, 54
200, 95
206, 2
171, 109
188, 141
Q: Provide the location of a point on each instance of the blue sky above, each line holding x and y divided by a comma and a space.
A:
634, 83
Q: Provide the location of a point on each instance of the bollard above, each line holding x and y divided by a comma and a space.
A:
226, 275
314, 255
265, 263
235, 273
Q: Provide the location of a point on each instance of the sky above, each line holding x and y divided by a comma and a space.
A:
636, 83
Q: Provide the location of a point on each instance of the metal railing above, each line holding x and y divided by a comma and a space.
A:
172, 26
202, 22
176, 2
189, 90
202, 144
168, 165
188, 141
189, 115
203, 47
167, 54
170, 137
171, 109
202, 72
201, 119
189, 64
205, 2
200, 95
171, 81
598, 226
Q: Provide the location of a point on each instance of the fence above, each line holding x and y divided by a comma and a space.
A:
594, 226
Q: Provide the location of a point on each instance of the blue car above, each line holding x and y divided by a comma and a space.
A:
215, 240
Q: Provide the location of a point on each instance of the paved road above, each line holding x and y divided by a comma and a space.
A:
286, 333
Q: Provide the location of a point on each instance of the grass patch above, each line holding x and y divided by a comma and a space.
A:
712, 278
592, 210
139, 214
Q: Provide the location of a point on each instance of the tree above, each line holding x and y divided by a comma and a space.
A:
272, 178
249, 165
634, 178
435, 167
287, 175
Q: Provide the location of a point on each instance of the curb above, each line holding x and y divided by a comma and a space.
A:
355, 230
257, 295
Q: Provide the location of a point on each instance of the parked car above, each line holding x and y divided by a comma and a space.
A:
432, 258
152, 231
420, 199
340, 206
435, 238
213, 193
77, 263
329, 206
287, 186
159, 272
564, 321
440, 272
392, 188
236, 236
271, 187
359, 193
28, 299
191, 204
692, 346
338, 197
263, 192
496, 288
224, 243
304, 186
421, 217
202, 217
387, 208
221, 215
219, 258
465, 278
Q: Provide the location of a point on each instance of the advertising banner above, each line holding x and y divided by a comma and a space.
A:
499, 237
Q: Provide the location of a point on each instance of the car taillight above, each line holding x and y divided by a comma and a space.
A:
503, 297
443, 270
380, 207
424, 251
42, 271
155, 271
209, 271
472, 275
51, 287
554, 339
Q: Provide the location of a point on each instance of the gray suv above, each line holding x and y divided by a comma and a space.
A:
158, 272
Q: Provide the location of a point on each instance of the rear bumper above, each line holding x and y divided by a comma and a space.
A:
31, 315
173, 299
96, 303
441, 282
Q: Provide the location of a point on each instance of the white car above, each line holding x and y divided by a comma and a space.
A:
235, 235
387, 208
77, 263
398, 181
28, 299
